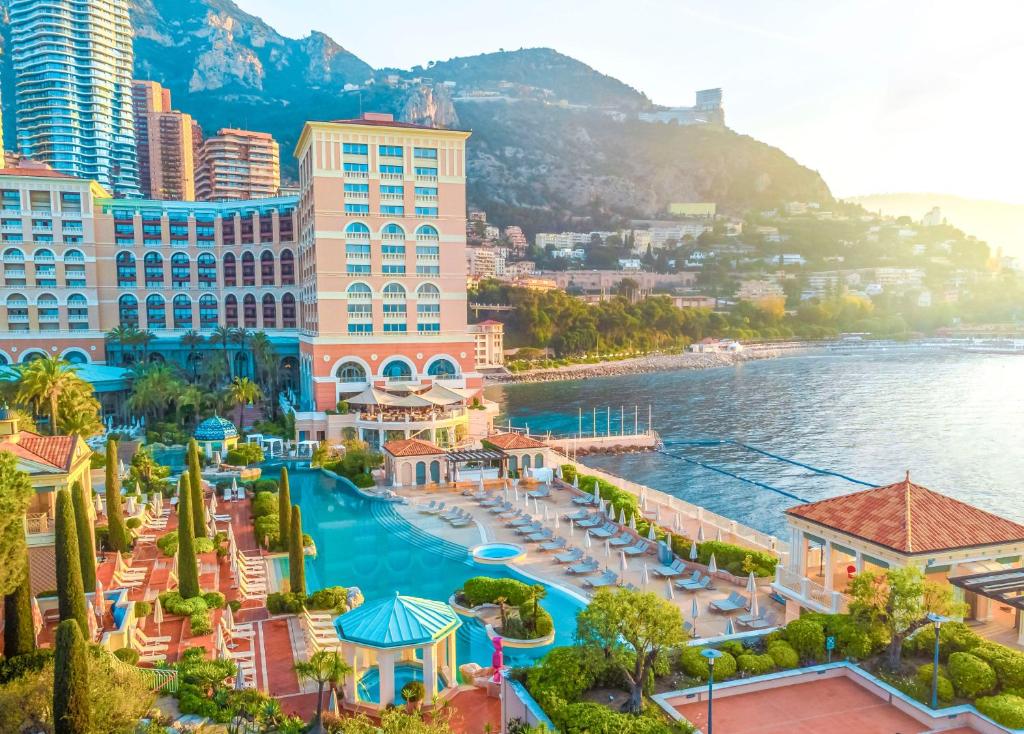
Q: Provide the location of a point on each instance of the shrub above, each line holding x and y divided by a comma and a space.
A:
143, 608
133, 522
1005, 709
264, 504
31, 662
168, 544
199, 623
268, 530
924, 680
486, 590
128, 655
563, 674
264, 485
594, 718
413, 691
751, 664
332, 597
214, 599
542, 627
245, 454
733, 647
807, 637
1008, 664
173, 603
783, 654
281, 602
103, 537
695, 665
971, 675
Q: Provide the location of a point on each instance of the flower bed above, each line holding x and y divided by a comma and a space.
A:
529, 624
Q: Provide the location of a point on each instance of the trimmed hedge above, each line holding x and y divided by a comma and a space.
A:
486, 590
245, 454
168, 544
924, 680
1005, 709
953, 637
783, 654
971, 676
807, 637
281, 602
595, 718
334, 598
562, 675
127, 655
751, 664
695, 665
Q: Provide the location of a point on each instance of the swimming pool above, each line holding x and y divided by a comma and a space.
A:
497, 552
369, 682
367, 544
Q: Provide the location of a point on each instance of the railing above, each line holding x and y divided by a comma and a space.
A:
37, 523
157, 679
811, 591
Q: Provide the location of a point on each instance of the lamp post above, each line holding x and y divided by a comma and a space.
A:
711, 655
936, 620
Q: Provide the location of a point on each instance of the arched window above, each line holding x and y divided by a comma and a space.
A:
181, 272
269, 311
249, 311
125, 270
230, 310
392, 231
128, 311
394, 292
17, 312
74, 256
288, 311
76, 357
287, 268
156, 312
14, 255
396, 369
47, 308
229, 270
182, 308
207, 311
428, 292
442, 368
426, 232
206, 270
359, 292
248, 269
350, 372
77, 300
357, 231
267, 268
153, 268
78, 311
43, 255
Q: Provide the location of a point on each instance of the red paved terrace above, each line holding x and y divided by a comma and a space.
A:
824, 706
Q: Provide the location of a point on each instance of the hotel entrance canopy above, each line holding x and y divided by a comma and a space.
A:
1005, 587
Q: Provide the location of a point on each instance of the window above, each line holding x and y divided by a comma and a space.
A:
442, 368
125, 270
424, 172
229, 270
393, 249
248, 269
267, 268
393, 210
426, 191
357, 208
46, 305
394, 151
428, 310
425, 153
231, 310
398, 327
11, 200
39, 201
357, 250
182, 309
156, 312
207, 311
206, 270
428, 270
428, 251
392, 190
355, 148
357, 231
360, 328
78, 308
357, 269
181, 271
393, 269
428, 292
426, 211
287, 268
70, 202
269, 312
356, 168
153, 267
249, 311
288, 311
394, 309
396, 370
394, 292
351, 188
392, 232
127, 311
392, 170
350, 372
428, 327
360, 310
359, 292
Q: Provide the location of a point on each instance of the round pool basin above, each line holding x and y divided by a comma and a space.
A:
498, 553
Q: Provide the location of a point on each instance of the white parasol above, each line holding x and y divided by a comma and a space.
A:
670, 593
712, 565
158, 614
623, 563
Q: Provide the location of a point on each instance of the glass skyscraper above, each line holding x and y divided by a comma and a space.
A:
73, 66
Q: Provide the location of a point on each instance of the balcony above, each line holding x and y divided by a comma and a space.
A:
37, 523
426, 179
392, 176
428, 258
357, 196
14, 272
808, 593
427, 197
17, 318
49, 317
400, 237
357, 236
357, 174
11, 227
425, 237
392, 197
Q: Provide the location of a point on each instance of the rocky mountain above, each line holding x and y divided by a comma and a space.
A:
553, 139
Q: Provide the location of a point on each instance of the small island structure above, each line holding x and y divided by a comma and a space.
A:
216, 435
380, 641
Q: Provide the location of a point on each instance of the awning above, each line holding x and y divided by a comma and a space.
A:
372, 396
441, 395
460, 457
1006, 586
411, 401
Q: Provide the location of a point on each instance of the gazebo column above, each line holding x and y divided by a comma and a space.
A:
430, 671
826, 562
348, 651
449, 657
386, 667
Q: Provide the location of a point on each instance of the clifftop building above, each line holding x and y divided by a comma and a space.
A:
164, 142
73, 61
238, 164
707, 111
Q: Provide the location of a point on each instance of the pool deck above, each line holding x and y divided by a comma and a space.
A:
541, 565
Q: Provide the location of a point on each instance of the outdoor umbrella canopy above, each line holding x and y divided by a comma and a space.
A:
98, 501
91, 619
213, 503
670, 593
576, 482
623, 563
677, 524
632, 522
712, 565
657, 515
718, 535
607, 549
158, 614
240, 679
622, 516
597, 492
516, 490
646, 578
693, 551
754, 608
372, 396
216, 457
588, 542
37, 616
694, 611
130, 506
229, 618
100, 601
547, 517
556, 522
536, 507
651, 535
729, 629
751, 584
332, 705
700, 533
572, 529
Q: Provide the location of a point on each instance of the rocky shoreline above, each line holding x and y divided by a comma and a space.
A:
653, 363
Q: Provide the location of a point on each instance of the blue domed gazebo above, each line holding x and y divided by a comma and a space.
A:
389, 642
216, 434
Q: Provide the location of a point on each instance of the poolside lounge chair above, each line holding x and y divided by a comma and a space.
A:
543, 535
577, 515
584, 499
521, 521
605, 531
753, 621
222, 518
510, 514
608, 578
492, 502
461, 522
530, 529
694, 583
500, 508
639, 549
429, 508
451, 514
556, 544
586, 566
732, 603
591, 522
479, 496
622, 541
676, 568
539, 494
570, 556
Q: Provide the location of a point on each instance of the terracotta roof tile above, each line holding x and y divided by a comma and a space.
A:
412, 447
512, 441
910, 519
21, 452
56, 450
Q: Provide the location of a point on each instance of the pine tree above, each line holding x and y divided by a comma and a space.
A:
188, 568
195, 478
117, 534
86, 540
70, 593
70, 681
19, 635
296, 557
284, 507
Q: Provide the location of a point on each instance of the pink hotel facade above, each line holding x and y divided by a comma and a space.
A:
359, 281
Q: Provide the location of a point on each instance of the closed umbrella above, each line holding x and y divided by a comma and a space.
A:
556, 521
729, 629
37, 616
234, 487
120, 468
694, 613
536, 507
646, 578
576, 482
643, 502
751, 584
213, 503
100, 601
118, 564
712, 565
130, 506
98, 501
718, 535
607, 549
572, 528
516, 491
216, 458
229, 618
668, 541
239, 678
657, 514
623, 563
632, 522
670, 593
622, 516
158, 614
480, 481
677, 525
91, 615
332, 705
547, 517
693, 551
597, 492
212, 527
650, 532
755, 608
588, 542
700, 533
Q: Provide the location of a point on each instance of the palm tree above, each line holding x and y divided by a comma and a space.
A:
263, 357
223, 335
242, 390
191, 340
325, 666
43, 381
190, 397
539, 592
119, 335
144, 339
240, 337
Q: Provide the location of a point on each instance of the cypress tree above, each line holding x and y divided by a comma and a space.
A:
188, 568
296, 557
195, 479
117, 535
70, 593
19, 635
70, 681
284, 507
86, 541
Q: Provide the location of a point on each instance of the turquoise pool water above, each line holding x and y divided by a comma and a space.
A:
369, 683
368, 544
498, 551
172, 457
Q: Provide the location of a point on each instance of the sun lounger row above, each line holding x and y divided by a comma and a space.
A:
695, 583
457, 517
608, 578
732, 603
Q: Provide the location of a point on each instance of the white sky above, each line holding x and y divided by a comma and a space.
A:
878, 95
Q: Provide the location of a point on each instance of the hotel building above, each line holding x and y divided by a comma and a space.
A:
164, 142
73, 65
238, 164
360, 281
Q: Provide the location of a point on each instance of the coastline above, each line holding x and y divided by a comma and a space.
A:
656, 363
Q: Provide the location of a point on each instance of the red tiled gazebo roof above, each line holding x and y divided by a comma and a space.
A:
910, 519
412, 447
512, 441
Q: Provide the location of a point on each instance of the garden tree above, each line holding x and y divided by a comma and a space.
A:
263, 358
155, 389
296, 556
121, 336
899, 600
86, 537
195, 482
191, 341
51, 386
19, 635
188, 567
395, 721
323, 667
145, 474
71, 681
243, 391
15, 494
70, 592
284, 507
630, 630
537, 592
117, 535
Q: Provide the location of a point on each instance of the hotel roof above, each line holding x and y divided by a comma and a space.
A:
52, 452
412, 447
400, 621
910, 519
513, 441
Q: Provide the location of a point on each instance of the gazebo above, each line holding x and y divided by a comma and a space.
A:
216, 434
389, 642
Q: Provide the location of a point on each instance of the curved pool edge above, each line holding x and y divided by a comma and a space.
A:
518, 553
